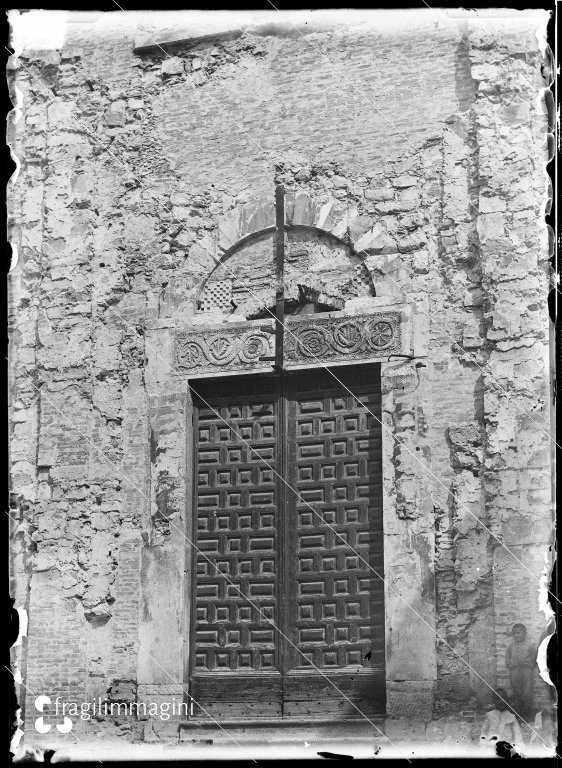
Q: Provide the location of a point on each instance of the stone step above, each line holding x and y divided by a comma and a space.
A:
282, 730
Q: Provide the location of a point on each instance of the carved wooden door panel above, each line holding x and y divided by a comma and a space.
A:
235, 667
290, 560
334, 534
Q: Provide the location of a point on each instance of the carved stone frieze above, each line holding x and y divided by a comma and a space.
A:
223, 349
335, 339
309, 341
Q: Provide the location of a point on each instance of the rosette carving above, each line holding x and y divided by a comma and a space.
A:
312, 342
189, 354
348, 336
220, 349
253, 347
379, 334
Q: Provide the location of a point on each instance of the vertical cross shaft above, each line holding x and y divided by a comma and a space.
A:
279, 257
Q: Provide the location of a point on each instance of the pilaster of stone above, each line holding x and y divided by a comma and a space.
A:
163, 556
134, 505
409, 543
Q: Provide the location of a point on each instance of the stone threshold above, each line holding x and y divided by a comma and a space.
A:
283, 729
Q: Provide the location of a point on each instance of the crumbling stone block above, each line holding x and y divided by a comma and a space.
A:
115, 116
173, 66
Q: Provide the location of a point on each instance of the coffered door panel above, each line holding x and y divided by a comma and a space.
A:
335, 544
235, 664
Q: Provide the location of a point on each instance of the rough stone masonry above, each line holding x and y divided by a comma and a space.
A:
412, 148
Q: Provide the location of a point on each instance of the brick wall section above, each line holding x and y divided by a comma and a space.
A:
378, 107
126, 612
381, 106
57, 665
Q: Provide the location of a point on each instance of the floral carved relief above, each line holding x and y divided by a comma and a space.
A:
311, 341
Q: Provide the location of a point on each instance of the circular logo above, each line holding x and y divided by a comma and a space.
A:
380, 334
253, 347
347, 337
220, 350
312, 342
189, 354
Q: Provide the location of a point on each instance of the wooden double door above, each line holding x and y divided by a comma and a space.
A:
287, 614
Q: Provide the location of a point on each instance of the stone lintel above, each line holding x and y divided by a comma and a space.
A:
326, 338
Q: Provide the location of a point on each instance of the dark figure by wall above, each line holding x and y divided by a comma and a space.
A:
520, 659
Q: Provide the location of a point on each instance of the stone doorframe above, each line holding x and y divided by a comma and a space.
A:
180, 351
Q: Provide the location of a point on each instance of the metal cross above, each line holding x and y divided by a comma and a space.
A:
279, 259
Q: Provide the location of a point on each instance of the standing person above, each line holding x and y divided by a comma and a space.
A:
520, 659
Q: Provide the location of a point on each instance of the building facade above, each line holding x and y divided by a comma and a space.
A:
352, 536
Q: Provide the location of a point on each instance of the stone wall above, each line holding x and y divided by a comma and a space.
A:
139, 167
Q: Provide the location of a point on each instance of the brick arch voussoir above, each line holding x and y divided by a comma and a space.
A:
323, 214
